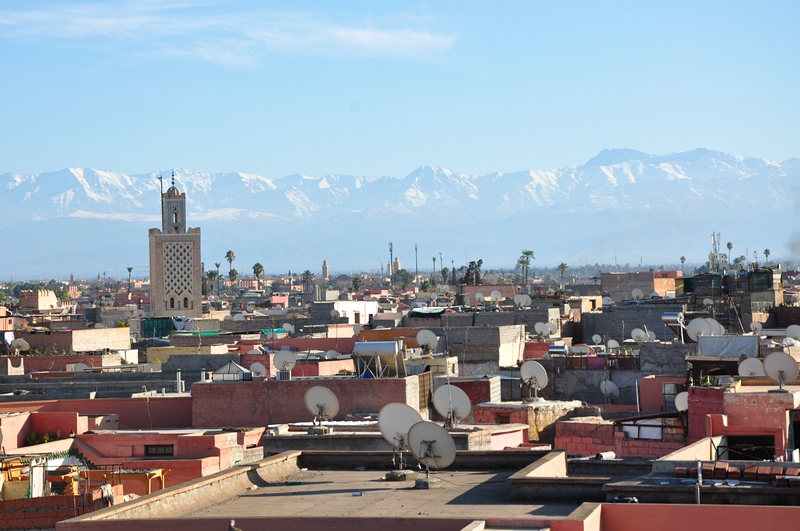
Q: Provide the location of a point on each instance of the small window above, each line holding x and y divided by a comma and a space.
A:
185, 302
669, 390
158, 450
172, 302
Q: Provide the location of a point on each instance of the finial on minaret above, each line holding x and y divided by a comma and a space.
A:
161, 180
173, 177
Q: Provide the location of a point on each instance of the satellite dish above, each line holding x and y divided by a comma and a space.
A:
99, 325
612, 343
534, 376
238, 317
793, 331
751, 367
479, 297
394, 422
431, 444
756, 327
654, 295
609, 389
698, 327
551, 327
331, 355
682, 401
716, 328
357, 329
597, 338
651, 335
228, 318
321, 402
288, 327
528, 300
271, 335
466, 299
781, 368
81, 367
497, 296
335, 314
639, 335
140, 313
452, 403
707, 302
284, 360
254, 351
607, 301
427, 339
258, 369
540, 328
637, 294
20, 344
519, 300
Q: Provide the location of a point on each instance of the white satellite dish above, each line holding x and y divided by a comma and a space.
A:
793, 331
651, 335
638, 335
427, 339
609, 389
394, 422
534, 375
452, 403
654, 295
519, 300
608, 301
254, 351
238, 317
431, 444
479, 297
637, 294
284, 360
540, 328
528, 300
682, 401
756, 327
716, 328
597, 338
331, 355
81, 367
258, 369
612, 343
708, 302
551, 327
467, 299
357, 329
335, 314
751, 367
781, 368
289, 327
20, 344
497, 296
698, 327
321, 402
228, 318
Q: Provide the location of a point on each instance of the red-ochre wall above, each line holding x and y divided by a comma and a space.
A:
667, 517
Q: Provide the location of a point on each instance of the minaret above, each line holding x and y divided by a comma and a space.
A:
324, 270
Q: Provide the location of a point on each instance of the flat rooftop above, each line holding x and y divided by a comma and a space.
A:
474, 495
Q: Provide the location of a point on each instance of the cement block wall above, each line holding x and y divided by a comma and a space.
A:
503, 344
616, 322
664, 359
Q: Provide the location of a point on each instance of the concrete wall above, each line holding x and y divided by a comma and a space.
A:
60, 362
663, 359
616, 322
503, 344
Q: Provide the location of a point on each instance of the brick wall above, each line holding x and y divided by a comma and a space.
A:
586, 438
45, 512
703, 401
59, 362
610, 322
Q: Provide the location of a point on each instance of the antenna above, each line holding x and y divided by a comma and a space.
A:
541, 329
496, 296
637, 294
20, 344
258, 369
708, 302
427, 340
698, 327
479, 297
519, 300
756, 327
781, 368
452, 403
284, 361
751, 367
612, 344
597, 338
289, 327
534, 375
323, 404
608, 301
639, 335
682, 401
394, 422
432, 445
551, 327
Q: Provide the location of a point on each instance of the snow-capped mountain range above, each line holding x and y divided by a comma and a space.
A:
621, 203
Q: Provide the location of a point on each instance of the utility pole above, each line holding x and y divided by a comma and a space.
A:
433, 273
441, 265
416, 265
391, 265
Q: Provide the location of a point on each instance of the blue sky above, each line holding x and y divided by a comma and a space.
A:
382, 88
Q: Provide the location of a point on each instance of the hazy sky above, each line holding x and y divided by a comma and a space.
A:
382, 88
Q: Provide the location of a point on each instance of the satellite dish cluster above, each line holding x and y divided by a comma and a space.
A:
640, 336
545, 329
704, 326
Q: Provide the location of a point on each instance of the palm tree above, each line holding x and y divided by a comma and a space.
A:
563, 268
445, 275
130, 270
766, 255
211, 276
217, 264
233, 275
307, 277
230, 257
258, 270
524, 262
730, 247
356, 283
683, 259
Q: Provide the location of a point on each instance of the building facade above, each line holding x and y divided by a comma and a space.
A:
175, 265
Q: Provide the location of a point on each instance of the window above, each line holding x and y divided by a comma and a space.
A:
185, 302
172, 302
669, 390
358, 317
158, 450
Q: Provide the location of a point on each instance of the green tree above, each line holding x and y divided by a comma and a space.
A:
445, 275
524, 262
404, 278
217, 264
308, 278
230, 257
258, 270
425, 285
766, 255
233, 275
356, 283
472, 274
562, 267
211, 276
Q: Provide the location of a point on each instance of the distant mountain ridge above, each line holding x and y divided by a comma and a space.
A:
342, 217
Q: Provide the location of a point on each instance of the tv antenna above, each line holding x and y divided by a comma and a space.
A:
323, 404
452, 403
394, 422
751, 367
433, 446
781, 368
534, 375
